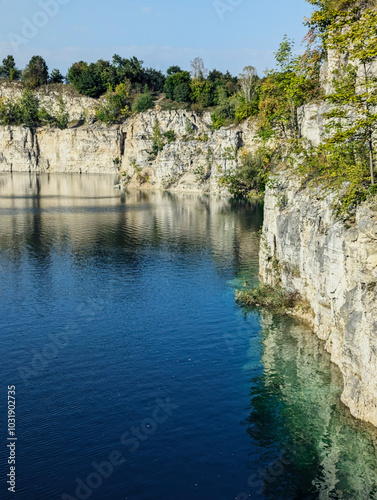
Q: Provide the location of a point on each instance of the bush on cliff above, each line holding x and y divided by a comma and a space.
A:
116, 106
271, 297
143, 103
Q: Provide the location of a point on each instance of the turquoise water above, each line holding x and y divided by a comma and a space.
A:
137, 376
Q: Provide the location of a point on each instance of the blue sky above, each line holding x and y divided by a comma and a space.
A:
227, 34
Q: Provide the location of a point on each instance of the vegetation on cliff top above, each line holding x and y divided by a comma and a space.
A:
126, 86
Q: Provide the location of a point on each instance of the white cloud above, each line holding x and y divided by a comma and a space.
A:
145, 10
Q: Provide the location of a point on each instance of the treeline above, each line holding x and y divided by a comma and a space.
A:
128, 86
345, 160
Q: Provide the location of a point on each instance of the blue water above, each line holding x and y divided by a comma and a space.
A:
137, 376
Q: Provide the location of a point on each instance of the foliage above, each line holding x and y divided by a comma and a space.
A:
225, 111
271, 297
252, 173
177, 86
202, 92
56, 76
28, 112
172, 70
8, 69
62, 116
87, 79
354, 99
201, 173
158, 142
36, 73
182, 93
282, 92
116, 106
244, 109
343, 167
170, 136
143, 103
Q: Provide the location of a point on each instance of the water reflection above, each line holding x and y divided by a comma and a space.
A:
316, 448
40, 213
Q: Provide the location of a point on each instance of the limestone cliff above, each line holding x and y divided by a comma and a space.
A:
330, 263
193, 158
334, 267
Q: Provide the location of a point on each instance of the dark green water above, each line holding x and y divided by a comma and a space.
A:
138, 377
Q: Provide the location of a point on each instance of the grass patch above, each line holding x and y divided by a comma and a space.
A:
168, 105
274, 298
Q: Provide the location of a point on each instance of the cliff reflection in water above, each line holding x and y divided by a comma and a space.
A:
41, 212
297, 415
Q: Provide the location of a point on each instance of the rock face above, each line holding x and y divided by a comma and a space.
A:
334, 267
89, 149
193, 156
78, 107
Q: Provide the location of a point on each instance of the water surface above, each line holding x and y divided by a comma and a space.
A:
120, 331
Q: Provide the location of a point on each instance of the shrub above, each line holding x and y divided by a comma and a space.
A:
170, 136
143, 103
252, 172
29, 109
272, 297
157, 142
116, 106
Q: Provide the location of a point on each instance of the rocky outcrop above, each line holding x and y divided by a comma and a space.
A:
193, 156
79, 108
334, 267
196, 157
90, 149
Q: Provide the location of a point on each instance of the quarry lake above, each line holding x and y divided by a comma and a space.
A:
137, 376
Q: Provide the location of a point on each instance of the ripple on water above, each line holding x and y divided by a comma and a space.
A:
141, 286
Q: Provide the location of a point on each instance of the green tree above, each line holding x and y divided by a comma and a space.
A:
36, 73
173, 69
224, 112
29, 107
62, 116
175, 80
8, 69
354, 98
202, 92
157, 141
56, 76
284, 90
129, 69
116, 106
154, 79
88, 79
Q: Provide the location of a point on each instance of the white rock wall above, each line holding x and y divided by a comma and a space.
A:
334, 267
